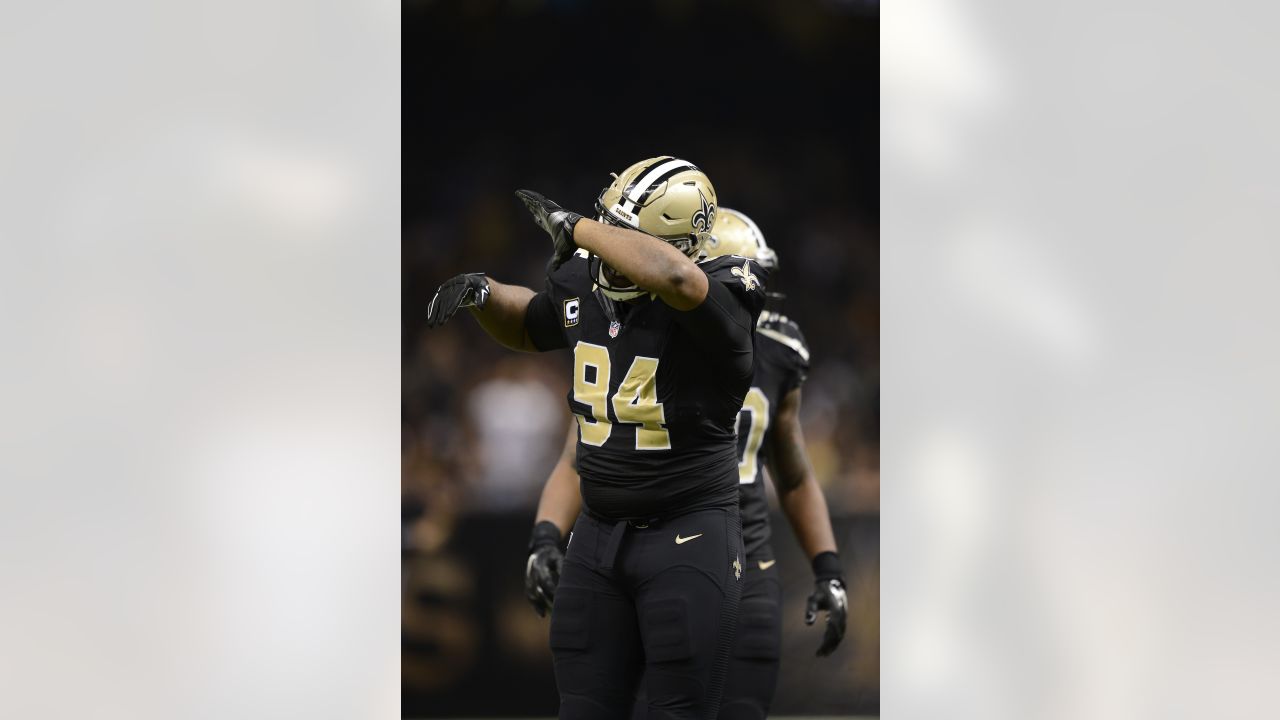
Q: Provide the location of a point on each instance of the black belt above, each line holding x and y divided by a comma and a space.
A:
635, 522
615, 537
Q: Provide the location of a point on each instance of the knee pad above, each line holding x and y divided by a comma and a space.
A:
571, 620
570, 636
674, 689
668, 637
753, 671
759, 630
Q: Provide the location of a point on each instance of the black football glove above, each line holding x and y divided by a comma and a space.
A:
542, 570
829, 595
459, 292
556, 222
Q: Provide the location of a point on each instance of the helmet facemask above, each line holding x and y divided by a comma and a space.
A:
690, 245
600, 273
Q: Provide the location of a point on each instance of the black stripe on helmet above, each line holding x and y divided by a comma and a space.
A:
644, 197
632, 185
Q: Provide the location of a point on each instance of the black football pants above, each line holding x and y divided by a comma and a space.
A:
753, 665
658, 601
753, 668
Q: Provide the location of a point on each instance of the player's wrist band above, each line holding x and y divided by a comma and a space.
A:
572, 222
826, 566
544, 533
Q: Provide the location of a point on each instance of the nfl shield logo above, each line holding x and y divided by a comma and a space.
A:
614, 327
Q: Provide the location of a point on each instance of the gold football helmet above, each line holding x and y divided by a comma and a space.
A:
668, 198
736, 234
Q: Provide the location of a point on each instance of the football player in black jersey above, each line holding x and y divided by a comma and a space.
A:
768, 433
662, 361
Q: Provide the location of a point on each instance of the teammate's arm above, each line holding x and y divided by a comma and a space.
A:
805, 506
799, 494
561, 500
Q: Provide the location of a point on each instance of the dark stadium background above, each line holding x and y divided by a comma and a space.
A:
778, 103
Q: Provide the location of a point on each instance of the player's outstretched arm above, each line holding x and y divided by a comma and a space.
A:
645, 260
503, 317
557, 509
805, 506
500, 309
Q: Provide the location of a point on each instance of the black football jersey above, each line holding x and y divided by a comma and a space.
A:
656, 391
782, 363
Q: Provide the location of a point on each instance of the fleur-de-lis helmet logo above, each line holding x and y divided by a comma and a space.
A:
705, 217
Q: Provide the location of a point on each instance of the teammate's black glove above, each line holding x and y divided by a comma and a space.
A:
556, 222
829, 595
459, 292
542, 570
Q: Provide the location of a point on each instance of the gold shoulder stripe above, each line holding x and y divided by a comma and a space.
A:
787, 340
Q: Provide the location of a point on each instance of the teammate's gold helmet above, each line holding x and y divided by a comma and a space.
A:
736, 234
668, 198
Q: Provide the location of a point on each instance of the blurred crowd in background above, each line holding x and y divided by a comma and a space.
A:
778, 109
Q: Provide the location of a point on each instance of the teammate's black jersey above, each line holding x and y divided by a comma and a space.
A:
656, 391
782, 363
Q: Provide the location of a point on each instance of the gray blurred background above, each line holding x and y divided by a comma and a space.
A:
200, 215
777, 103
